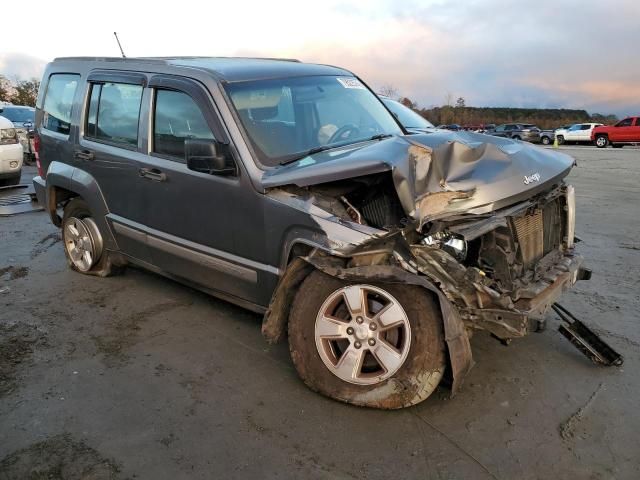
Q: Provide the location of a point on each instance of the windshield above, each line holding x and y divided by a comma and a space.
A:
407, 117
19, 114
287, 117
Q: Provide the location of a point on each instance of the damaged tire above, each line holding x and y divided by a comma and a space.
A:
373, 345
82, 240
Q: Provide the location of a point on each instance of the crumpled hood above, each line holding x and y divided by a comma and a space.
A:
440, 173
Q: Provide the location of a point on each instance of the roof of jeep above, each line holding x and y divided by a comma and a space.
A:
229, 69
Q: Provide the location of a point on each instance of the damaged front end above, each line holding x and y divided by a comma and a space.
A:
486, 224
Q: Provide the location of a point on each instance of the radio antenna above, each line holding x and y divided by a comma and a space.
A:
120, 46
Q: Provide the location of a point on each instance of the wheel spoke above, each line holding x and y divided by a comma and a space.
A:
350, 363
328, 327
75, 254
354, 297
86, 258
72, 231
391, 315
388, 357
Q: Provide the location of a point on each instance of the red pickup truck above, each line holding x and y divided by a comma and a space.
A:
625, 131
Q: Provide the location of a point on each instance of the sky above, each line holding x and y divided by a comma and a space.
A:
506, 53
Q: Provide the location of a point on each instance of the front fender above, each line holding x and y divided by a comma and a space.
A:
275, 320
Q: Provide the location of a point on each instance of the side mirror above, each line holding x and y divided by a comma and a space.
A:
208, 156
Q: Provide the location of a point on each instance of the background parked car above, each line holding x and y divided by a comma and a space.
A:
23, 118
579, 132
625, 131
10, 154
454, 126
517, 131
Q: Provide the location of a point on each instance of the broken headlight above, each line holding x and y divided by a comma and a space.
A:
453, 244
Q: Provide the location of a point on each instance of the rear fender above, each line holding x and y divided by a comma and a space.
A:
63, 182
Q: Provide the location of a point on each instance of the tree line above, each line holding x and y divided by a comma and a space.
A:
458, 112
19, 92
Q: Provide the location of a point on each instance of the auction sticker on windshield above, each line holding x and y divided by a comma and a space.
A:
350, 82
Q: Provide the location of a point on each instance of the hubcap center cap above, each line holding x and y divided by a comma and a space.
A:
361, 331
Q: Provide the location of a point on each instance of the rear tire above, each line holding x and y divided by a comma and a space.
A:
397, 363
617, 145
602, 141
82, 240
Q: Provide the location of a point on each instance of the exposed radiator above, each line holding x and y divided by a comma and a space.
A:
539, 231
530, 235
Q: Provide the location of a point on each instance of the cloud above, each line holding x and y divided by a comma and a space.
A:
571, 54
21, 66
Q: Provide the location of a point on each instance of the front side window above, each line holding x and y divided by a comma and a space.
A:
500, 128
625, 123
177, 118
574, 128
58, 101
114, 110
286, 117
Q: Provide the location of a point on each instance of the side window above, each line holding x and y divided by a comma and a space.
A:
114, 110
500, 128
586, 127
176, 118
58, 101
638, 122
625, 123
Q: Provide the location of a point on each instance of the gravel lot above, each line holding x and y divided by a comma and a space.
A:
139, 377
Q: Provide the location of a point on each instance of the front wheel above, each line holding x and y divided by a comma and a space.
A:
373, 345
602, 141
545, 140
560, 140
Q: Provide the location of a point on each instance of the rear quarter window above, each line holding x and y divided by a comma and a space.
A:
58, 102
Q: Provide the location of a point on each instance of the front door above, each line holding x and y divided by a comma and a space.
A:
204, 228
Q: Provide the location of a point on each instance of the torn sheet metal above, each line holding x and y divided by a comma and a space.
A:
437, 174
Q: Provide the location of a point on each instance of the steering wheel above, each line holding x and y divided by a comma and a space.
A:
349, 127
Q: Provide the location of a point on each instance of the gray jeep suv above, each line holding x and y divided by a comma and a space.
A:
291, 190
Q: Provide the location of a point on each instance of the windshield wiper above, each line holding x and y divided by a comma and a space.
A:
309, 152
381, 136
324, 148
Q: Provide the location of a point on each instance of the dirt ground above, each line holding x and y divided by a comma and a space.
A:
139, 377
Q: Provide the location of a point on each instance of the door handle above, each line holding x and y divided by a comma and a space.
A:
153, 174
84, 155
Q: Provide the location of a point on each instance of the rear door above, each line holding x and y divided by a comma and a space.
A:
204, 228
109, 149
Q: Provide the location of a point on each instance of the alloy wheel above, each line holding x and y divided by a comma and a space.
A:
362, 334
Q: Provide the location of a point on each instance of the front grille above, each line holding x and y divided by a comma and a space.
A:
538, 232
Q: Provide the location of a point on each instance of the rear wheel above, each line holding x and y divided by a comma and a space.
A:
372, 345
516, 137
82, 239
602, 141
560, 140
617, 145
